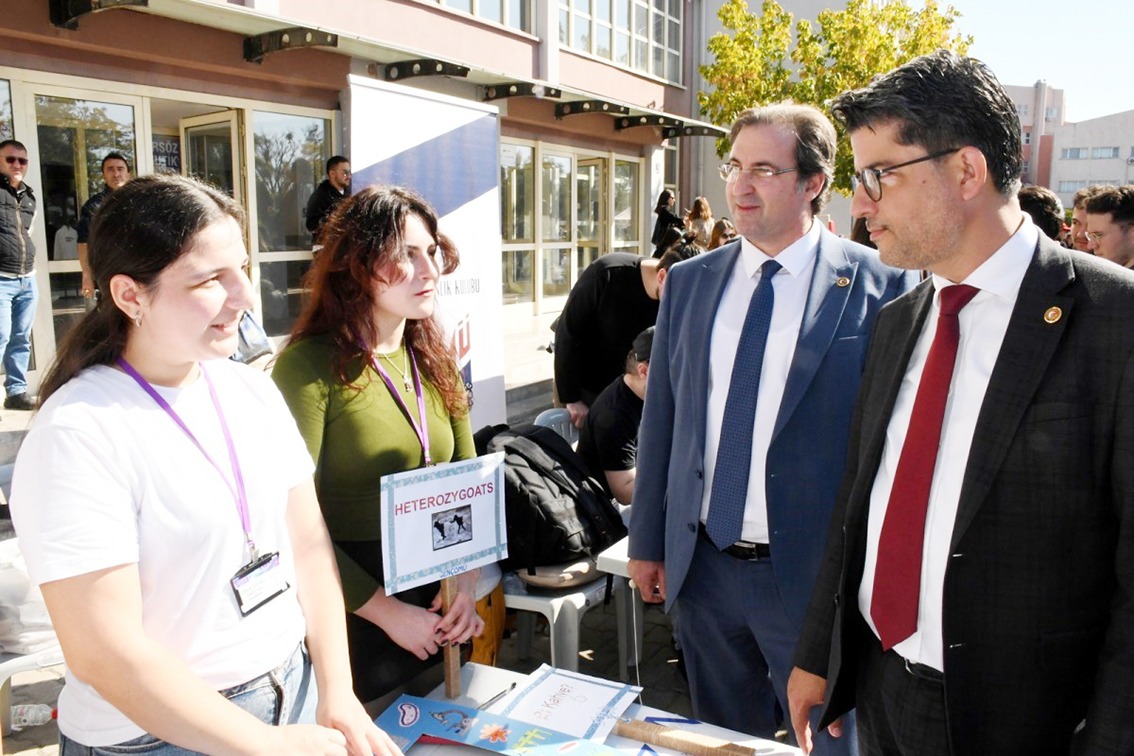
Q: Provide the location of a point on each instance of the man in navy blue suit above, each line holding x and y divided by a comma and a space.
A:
741, 587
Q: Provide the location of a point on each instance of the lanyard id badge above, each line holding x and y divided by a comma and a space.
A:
258, 582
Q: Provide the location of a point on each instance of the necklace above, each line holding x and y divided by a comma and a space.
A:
403, 371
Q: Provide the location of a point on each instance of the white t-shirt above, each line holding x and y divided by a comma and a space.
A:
105, 477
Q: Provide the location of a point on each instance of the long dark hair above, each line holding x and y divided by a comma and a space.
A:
663, 200
363, 238
139, 231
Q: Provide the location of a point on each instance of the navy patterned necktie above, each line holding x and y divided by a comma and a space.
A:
734, 453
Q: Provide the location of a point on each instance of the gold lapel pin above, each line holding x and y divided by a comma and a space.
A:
1052, 315
842, 281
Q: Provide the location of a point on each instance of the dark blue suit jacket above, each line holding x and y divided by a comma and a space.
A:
808, 449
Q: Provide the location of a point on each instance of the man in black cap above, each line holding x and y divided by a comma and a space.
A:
608, 442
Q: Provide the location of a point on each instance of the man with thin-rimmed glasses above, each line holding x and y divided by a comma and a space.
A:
977, 595
1110, 224
756, 359
17, 273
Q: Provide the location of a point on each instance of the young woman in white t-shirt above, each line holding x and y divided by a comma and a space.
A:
164, 503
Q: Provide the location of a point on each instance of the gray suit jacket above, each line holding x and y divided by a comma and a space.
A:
1038, 615
808, 448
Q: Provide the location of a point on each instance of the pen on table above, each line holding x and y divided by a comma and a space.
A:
497, 697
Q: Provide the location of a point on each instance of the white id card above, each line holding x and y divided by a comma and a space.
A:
258, 582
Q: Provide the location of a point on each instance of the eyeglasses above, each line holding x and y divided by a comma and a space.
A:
12, 160
730, 172
871, 178
1094, 236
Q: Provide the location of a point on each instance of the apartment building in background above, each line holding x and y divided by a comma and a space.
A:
1096, 151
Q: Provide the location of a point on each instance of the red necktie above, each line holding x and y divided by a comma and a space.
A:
897, 576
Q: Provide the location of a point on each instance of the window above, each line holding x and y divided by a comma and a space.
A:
1073, 153
516, 192
5, 110
1027, 137
516, 14
1051, 114
626, 202
1102, 153
517, 197
556, 178
1068, 187
74, 136
644, 35
1022, 109
669, 171
561, 209
291, 160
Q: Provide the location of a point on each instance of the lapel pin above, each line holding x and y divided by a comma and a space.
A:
842, 281
1052, 315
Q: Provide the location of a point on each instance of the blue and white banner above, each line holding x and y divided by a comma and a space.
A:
447, 150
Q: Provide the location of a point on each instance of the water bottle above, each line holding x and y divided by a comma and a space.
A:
31, 715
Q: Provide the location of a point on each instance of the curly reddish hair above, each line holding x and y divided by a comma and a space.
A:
363, 241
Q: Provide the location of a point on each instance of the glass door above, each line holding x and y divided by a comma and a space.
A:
211, 151
590, 212
74, 133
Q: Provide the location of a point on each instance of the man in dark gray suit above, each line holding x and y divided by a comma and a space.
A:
978, 591
742, 440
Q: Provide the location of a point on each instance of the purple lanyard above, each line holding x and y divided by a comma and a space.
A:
422, 429
238, 492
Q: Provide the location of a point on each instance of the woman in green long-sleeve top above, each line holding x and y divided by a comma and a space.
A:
365, 348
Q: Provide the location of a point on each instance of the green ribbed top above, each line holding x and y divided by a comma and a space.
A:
355, 437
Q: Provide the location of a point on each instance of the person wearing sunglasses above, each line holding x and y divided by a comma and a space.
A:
18, 293
333, 190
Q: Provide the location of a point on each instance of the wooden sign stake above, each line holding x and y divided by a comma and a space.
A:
452, 652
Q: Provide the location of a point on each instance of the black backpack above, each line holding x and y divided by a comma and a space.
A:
556, 512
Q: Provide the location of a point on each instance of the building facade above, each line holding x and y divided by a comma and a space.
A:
1097, 151
594, 102
1041, 112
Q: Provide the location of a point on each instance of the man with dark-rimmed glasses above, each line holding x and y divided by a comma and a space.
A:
18, 292
977, 596
755, 363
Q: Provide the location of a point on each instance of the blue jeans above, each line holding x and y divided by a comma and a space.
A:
17, 311
286, 695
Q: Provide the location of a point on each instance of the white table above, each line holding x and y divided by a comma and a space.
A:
479, 683
627, 604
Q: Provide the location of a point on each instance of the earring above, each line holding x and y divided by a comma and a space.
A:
138, 319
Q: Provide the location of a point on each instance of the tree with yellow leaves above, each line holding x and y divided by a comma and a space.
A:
848, 49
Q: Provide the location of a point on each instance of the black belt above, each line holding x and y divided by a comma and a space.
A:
744, 550
923, 671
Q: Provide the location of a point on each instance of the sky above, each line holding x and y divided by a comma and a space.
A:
1083, 47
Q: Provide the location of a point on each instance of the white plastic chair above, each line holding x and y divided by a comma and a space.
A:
564, 608
11, 664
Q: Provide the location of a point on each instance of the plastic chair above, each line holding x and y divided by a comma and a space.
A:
11, 664
564, 608
559, 420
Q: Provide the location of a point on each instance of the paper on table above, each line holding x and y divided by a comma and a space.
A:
579, 705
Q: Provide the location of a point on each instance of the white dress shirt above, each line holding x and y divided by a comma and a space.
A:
983, 322
790, 285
